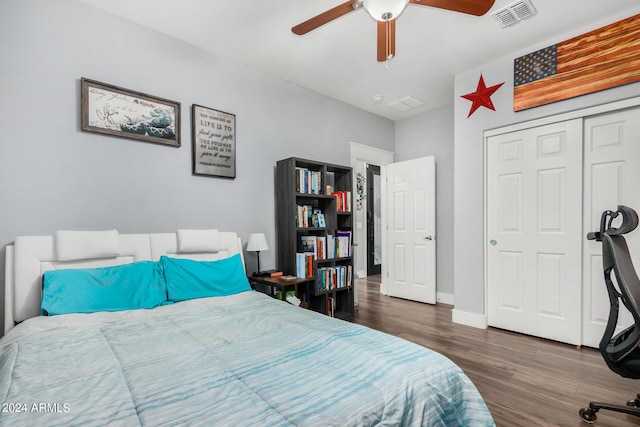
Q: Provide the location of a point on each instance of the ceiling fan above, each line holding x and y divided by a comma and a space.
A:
385, 12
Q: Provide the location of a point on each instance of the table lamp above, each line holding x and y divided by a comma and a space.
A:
257, 242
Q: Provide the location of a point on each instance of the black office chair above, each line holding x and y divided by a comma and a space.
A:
621, 351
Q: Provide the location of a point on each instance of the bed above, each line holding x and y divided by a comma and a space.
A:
237, 358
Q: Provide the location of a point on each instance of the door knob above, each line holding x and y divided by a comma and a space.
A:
493, 242
429, 237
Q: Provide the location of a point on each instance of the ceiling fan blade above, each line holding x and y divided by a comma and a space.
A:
328, 16
471, 7
386, 40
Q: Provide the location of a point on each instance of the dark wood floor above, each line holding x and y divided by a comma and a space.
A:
525, 381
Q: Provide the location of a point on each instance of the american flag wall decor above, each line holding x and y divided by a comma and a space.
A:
598, 60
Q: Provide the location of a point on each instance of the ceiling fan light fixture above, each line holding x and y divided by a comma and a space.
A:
384, 10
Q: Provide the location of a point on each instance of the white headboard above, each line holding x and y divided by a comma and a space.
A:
30, 256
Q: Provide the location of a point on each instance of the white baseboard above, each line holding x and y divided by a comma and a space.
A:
444, 298
469, 319
360, 274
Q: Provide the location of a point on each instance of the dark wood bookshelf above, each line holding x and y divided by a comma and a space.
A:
288, 197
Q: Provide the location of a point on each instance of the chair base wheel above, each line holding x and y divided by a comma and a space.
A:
588, 415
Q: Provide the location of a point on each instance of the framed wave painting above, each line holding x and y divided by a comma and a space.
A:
113, 110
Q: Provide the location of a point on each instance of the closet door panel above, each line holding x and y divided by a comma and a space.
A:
611, 177
534, 185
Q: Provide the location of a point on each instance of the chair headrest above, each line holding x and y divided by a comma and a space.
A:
629, 221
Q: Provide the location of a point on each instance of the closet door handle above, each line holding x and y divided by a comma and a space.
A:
429, 237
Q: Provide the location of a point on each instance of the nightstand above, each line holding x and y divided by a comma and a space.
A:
269, 285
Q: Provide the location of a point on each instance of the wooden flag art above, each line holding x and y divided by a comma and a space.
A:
598, 60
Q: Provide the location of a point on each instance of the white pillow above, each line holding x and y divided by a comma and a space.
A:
77, 245
191, 241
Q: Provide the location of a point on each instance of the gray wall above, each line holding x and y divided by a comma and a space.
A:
53, 176
468, 152
431, 134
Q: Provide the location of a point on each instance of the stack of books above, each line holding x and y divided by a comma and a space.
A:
268, 273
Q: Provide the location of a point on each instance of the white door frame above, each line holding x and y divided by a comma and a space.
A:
377, 156
581, 113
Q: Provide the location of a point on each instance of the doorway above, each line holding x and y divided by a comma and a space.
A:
374, 221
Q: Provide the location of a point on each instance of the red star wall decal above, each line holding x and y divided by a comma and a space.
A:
482, 96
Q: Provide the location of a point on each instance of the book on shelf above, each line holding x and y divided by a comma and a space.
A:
316, 245
343, 200
308, 244
268, 273
329, 278
342, 244
308, 181
303, 216
306, 217
321, 247
331, 247
331, 307
304, 265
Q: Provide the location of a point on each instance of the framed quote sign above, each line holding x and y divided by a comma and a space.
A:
214, 142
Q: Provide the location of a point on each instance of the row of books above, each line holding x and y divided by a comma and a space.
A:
306, 216
340, 245
333, 278
308, 181
343, 200
304, 265
329, 246
317, 245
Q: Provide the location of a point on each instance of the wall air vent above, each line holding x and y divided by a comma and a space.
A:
514, 13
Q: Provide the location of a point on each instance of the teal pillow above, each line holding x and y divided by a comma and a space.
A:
88, 290
189, 279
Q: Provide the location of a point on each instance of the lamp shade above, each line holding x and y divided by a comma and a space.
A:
384, 10
257, 242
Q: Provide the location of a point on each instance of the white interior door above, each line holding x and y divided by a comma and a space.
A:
611, 176
534, 233
410, 234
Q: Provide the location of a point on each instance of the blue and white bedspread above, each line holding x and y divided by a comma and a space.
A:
242, 360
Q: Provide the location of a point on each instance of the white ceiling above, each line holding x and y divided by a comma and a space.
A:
339, 58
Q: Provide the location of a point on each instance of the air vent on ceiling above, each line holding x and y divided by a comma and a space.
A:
405, 103
514, 13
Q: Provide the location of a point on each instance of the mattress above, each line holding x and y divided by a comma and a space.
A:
240, 360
